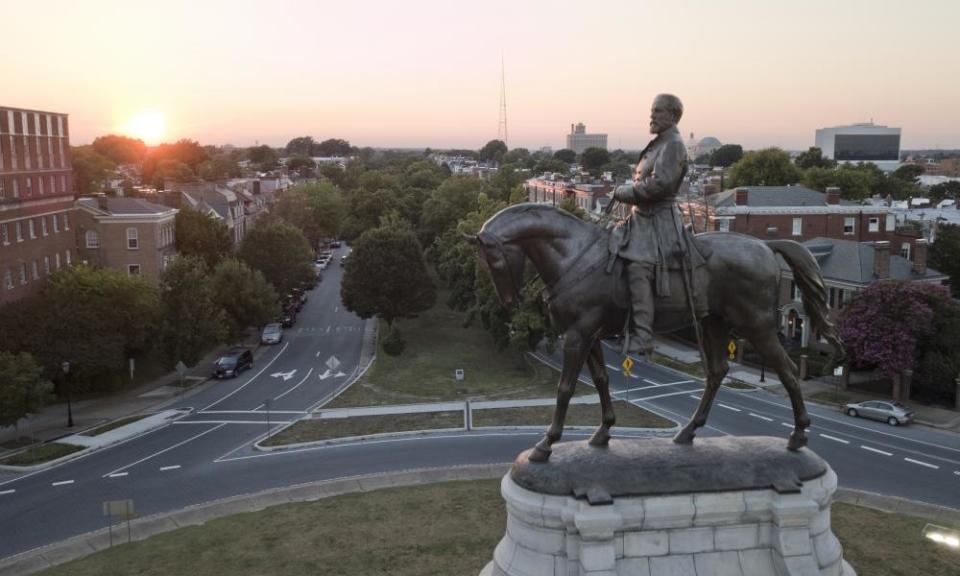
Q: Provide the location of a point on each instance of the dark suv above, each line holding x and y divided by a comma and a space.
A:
231, 364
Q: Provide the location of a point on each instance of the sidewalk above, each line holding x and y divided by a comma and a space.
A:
932, 416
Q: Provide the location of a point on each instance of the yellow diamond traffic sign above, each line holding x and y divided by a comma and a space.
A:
627, 365
732, 349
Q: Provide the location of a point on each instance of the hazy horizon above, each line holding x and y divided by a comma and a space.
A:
417, 75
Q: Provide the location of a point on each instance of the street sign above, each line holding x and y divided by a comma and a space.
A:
118, 509
458, 374
627, 365
181, 368
333, 363
732, 349
285, 375
838, 371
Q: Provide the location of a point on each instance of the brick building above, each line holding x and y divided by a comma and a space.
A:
547, 190
127, 234
36, 200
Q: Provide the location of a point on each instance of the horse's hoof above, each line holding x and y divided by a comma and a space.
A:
600, 438
539, 454
684, 437
797, 441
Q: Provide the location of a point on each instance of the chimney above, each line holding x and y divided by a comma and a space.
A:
881, 259
920, 256
833, 195
741, 196
102, 202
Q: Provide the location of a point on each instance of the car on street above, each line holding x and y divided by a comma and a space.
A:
893, 413
231, 364
272, 334
287, 318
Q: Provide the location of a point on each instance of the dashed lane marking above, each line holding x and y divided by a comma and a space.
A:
62, 483
255, 376
834, 438
662, 396
876, 451
695, 397
4, 492
117, 475
761, 417
927, 464
167, 449
166, 468
722, 405
614, 368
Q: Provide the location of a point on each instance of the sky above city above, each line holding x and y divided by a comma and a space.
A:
428, 73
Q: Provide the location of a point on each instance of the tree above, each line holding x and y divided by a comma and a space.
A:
302, 164
855, 184
909, 173
317, 209
386, 275
90, 169
219, 167
281, 253
450, 202
120, 149
23, 389
884, 324
950, 189
726, 155
171, 169
813, 158
192, 321
493, 151
768, 167
245, 296
593, 158
565, 155
303, 145
517, 156
945, 254
263, 157
332, 147
201, 235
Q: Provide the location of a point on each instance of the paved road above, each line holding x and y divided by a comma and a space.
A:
207, 455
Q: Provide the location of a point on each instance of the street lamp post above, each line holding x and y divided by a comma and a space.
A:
66, 388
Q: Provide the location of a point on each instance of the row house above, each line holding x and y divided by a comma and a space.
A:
213, 199
36, 200
590, 196
128, 234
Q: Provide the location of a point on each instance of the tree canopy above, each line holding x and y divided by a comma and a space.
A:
768, 167
281, 253
90, 169
332, 147
23, 388
203, 236
813, 158
120, 149
726, 155
192, 321
565, 155
245, 296
593, 158
493, 151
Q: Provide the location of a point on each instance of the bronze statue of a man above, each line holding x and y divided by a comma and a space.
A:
651, 238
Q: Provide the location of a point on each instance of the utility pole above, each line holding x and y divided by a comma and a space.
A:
502, 123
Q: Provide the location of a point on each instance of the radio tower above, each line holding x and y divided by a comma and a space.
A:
502, 123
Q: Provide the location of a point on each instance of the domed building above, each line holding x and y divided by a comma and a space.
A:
696, 148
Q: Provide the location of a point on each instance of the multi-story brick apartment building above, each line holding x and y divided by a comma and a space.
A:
36, 200
127, 234
550, 190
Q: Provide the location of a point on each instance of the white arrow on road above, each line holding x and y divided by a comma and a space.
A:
327, 374
285, 375
333, 363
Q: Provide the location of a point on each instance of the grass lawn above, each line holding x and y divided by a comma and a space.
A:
628, 415
440, 529
437, 345
831, 397
313, 430
40, 454
738, 385
113, 425
694, 369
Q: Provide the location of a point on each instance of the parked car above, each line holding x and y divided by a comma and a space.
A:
231, 364
335, 244
893, 413
272, 334
286, 319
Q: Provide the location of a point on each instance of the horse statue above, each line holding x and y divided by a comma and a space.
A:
741, 278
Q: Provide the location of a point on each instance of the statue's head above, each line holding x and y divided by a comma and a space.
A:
665, 113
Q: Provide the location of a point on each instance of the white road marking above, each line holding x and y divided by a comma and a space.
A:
336, 308
875, 450
761, 417
165, 468
957, 472
221, 422
7, 492
928, 465
318, 353
62, 483
722, 405
295, 387
177, 445
677, 382
262, 370
251, 412
117, 475
787, 424
328, 329
664, 395
695, 397
614, 368
834, 438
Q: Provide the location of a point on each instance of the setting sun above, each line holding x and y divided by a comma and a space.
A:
147, 126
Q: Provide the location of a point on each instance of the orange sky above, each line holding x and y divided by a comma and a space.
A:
427, 73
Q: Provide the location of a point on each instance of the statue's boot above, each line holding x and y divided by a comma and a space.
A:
640, 340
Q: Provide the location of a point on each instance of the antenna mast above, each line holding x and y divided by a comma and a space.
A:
502, 123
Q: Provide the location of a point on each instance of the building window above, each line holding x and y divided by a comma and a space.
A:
891, 222
19, 231
8, 279
56, 260
905, 250
36, 270
93, 239
133, 269
63, 182
4, 234
29, 185
43, 225
849, 225
23, 274
873, 225
33, 228
3, 193
66, 220
723, 225
16, 187
69, 259
56, 224
797, 227
46, 265
133, 240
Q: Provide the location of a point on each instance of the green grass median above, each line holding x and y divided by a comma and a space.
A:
40, 454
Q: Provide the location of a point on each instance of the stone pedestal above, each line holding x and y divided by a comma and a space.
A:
647, 507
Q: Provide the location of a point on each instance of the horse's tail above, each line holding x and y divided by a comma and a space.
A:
806, 273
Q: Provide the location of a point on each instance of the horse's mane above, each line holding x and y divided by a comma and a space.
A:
511, 222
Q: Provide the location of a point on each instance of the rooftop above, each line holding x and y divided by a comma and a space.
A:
852, 262
123, 206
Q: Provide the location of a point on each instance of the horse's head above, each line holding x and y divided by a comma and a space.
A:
505, 263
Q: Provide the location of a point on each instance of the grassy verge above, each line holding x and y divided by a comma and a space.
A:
831, 397
441, 529
628, 415
40, 454
738, 385
437, 345
15, 443
313, 430
695, 369
113, 425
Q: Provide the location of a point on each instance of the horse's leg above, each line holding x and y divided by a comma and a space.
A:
574, 353
598, 371
776, 357
716, 333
